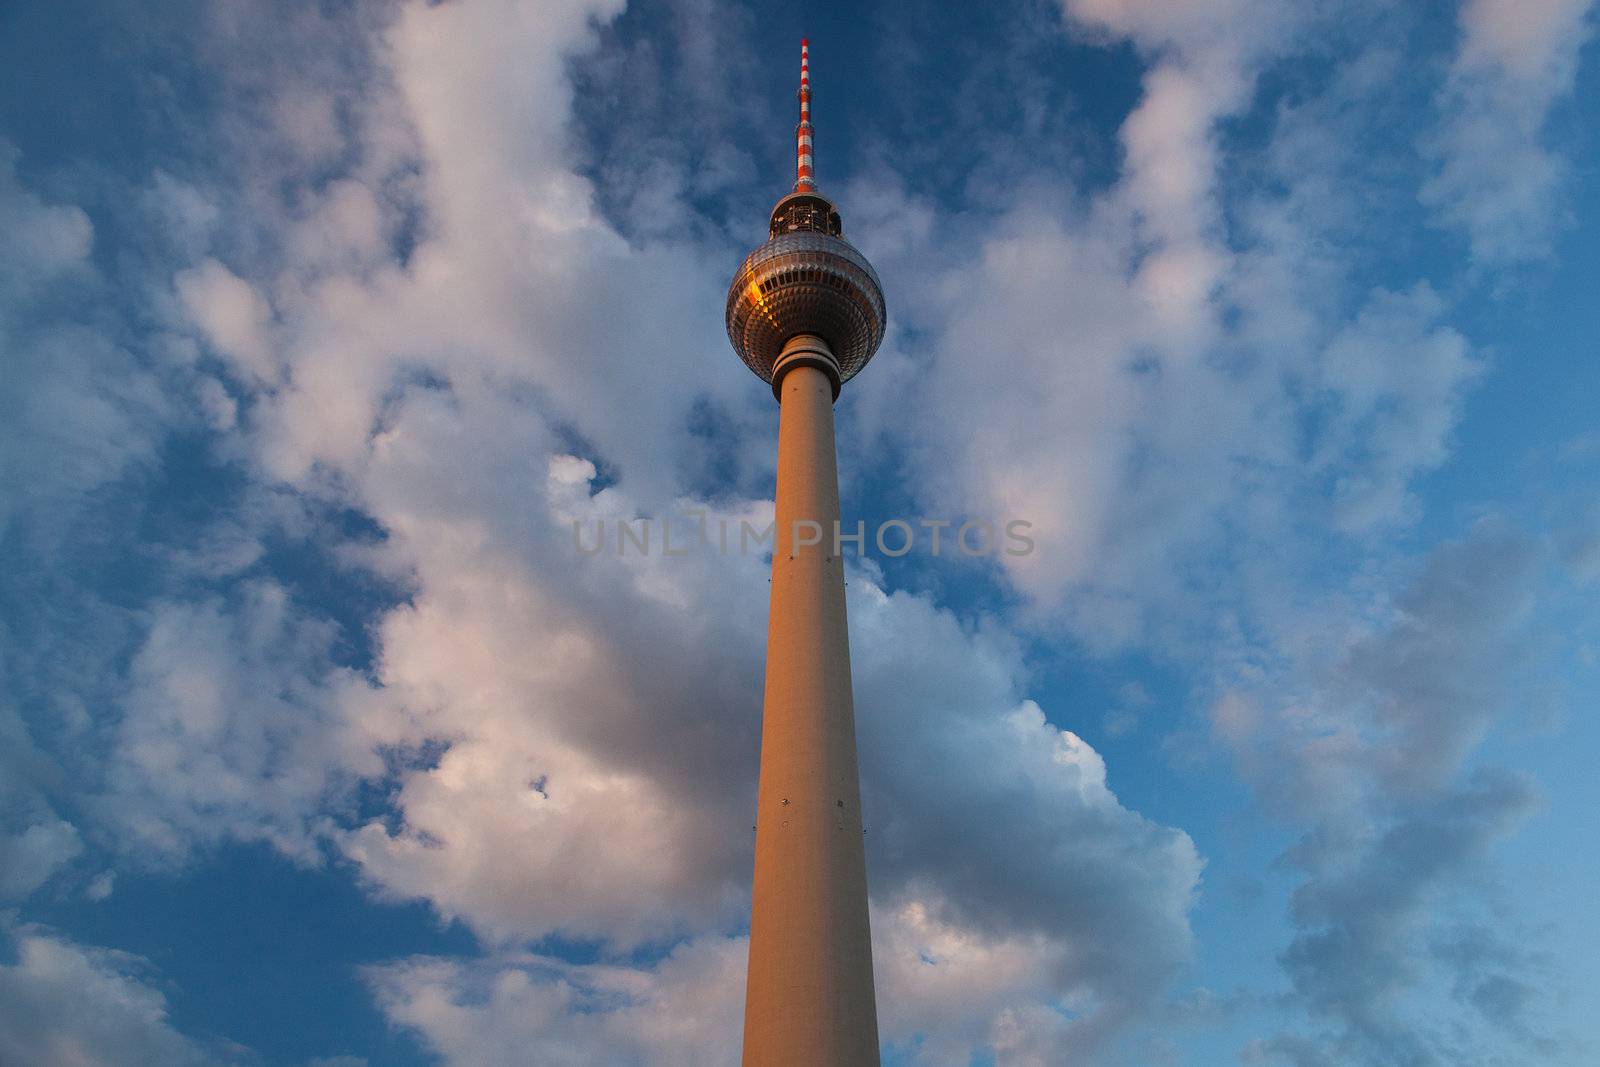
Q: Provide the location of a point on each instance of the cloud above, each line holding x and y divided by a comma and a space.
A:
996, 824
683, 1010
80, 413
1219, 34
465, 343
233, 316
1386, 708
1496, 177
565, 745
64, 1003
1172, 470
1375, 756
229, 729
1133, 700
613, 801
29, 856
47, 239
946, 991
1359, 918
79, 409
35, 842
1394, 378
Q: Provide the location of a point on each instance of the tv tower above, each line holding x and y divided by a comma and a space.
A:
806, 312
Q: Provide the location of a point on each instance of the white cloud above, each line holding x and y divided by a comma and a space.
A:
1532, 40
569, 744
586, 790
683, 1011
1365, 735
46, 240
1173, 409
1221, 34
1001, 822
63, 1003
1394, 378
235, 320
1363, 919
945, 991
31, 855
1497, 178
35, 842
593, 708
77, 411
229, 729
1381, 700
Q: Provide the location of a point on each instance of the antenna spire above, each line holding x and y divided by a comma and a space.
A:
805, 180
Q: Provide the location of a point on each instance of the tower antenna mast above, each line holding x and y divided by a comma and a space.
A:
805, 180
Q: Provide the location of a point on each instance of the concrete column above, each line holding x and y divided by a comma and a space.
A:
809, 1001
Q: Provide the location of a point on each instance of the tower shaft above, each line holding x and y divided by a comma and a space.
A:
809, 1001
805, 312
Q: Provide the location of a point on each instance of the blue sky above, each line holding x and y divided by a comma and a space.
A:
320, 744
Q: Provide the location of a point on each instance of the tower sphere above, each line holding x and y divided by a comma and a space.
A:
807, 280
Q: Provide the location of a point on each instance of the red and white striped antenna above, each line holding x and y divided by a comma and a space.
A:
805, 177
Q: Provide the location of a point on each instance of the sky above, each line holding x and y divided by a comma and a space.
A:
324, 324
